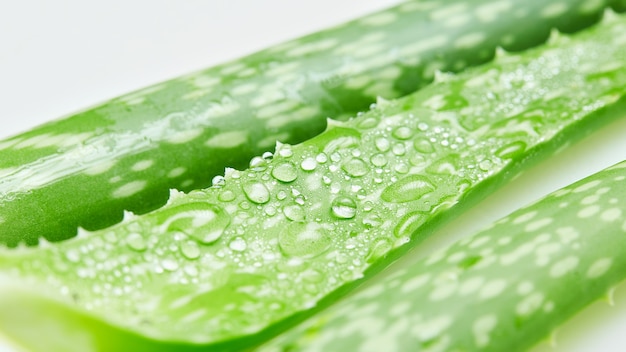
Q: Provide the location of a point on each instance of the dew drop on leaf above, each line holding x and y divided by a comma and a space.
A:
355, 167
305, 240
256, 192
136, 242
343, 208
285, 172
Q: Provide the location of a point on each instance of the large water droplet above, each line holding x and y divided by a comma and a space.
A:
379, 249
402, 133
256, 192
308, 164
422, 145
378, 160
445, 166
343, 208
294, 212
407, 189
258, 163
202, 221
238, 244
382, 144
169, 264
136, 242
285, 172
226, 196
190, 250
355, 167
304, 240
409, 224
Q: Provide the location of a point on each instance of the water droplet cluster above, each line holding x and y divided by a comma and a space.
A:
266, 242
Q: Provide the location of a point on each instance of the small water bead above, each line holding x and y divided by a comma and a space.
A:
190, 249
285, 151
226, 196
344, 208
379, 249
244, 205
335, 157
218, 181
402, 133
294, 212
321, 158
268, 156
355, 167
238, 244
401, 168
378, 160
305, 240
368, 123
270, 210
281, 195
398, 149
202, 221
256, 192
308, 164
382, 144
372, 221
407, 189
169, 264
136, 242
258, 164
285, 172
422, 145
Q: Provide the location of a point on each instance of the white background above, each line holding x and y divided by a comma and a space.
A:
60, 56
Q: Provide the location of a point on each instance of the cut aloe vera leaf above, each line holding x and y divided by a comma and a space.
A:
127, 153
503, 289
230, 266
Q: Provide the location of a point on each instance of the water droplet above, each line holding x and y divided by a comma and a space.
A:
136, 242
511, 150
267, 156
258, 164
190, 249
321, 158
285, 151
218, 181
402, 133
294, 212
281, 195
270, 210
335, 157
226, 196
407, 189
355, 167
422, 126
401, 168
379, 249
422, 145
343, 208
409, 224
445, 166
72, 255
308, 164
382, 144
398, 149
367, 123
304, 240
485, 165
285, 172
238, 244
372, 221
169, 264
202, 221
378, 160
256, 192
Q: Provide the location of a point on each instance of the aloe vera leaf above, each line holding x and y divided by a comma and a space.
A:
218, 266
126, 153
503, 289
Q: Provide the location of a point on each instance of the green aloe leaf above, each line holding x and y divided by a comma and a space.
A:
230, 266
503, 289
126, 153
